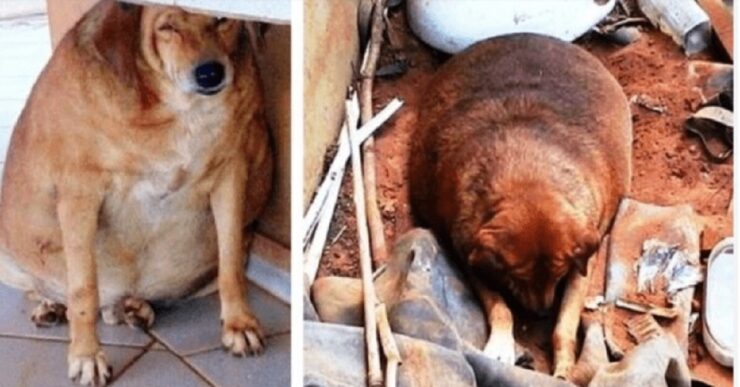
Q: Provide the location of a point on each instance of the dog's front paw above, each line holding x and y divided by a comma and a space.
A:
562, 369
564, 355
89, 370
502, 348
242, 335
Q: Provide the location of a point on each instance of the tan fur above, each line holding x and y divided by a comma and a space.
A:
522, 154
122, 181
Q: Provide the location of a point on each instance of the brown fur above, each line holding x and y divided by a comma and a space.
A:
522, 154
122, 181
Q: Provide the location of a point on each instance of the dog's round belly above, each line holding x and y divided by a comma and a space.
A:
156, 248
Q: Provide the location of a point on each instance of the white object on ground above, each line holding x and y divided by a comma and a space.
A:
720, 303
451, 26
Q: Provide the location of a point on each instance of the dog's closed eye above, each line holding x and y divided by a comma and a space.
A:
166, 27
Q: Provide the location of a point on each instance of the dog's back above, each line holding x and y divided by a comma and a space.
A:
515, 116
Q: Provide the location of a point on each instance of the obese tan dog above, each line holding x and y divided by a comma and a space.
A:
522, 153
138, 160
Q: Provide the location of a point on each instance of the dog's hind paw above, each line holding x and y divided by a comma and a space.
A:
138, 313
89, 370
243, 336
501, 348
133, 311
112, 314
48, 313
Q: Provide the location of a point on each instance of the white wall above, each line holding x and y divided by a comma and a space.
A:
26, 47
16, 8
268, 11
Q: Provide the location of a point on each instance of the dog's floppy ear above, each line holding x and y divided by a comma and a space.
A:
256, 34
484, 250
117, 38
249, 39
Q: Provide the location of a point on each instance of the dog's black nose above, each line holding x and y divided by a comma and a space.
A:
209, 74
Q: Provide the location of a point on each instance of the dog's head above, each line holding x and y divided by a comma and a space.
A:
194, 52
529, 248
189, 53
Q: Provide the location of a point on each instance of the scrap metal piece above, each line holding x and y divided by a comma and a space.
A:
648, 103
657, 311
666, 264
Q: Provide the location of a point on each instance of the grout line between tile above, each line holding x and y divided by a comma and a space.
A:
66, 340
136, 358
182, 359
36, 338
201, 351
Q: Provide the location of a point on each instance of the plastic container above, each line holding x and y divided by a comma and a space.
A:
720, 303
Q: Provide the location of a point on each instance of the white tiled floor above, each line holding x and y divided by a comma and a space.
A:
183, 348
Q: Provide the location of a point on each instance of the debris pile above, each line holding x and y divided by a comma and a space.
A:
665, 268
644, 306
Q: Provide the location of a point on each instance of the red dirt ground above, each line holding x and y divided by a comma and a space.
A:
669, 166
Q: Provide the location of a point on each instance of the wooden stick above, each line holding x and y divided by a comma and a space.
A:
392, 355
720, 15
375, 222
319, 215
658, 311
374, 374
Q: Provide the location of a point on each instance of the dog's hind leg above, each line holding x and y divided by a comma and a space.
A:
500, 345
49, 313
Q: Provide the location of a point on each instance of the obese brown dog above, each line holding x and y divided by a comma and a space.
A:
522, 153
138, 160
